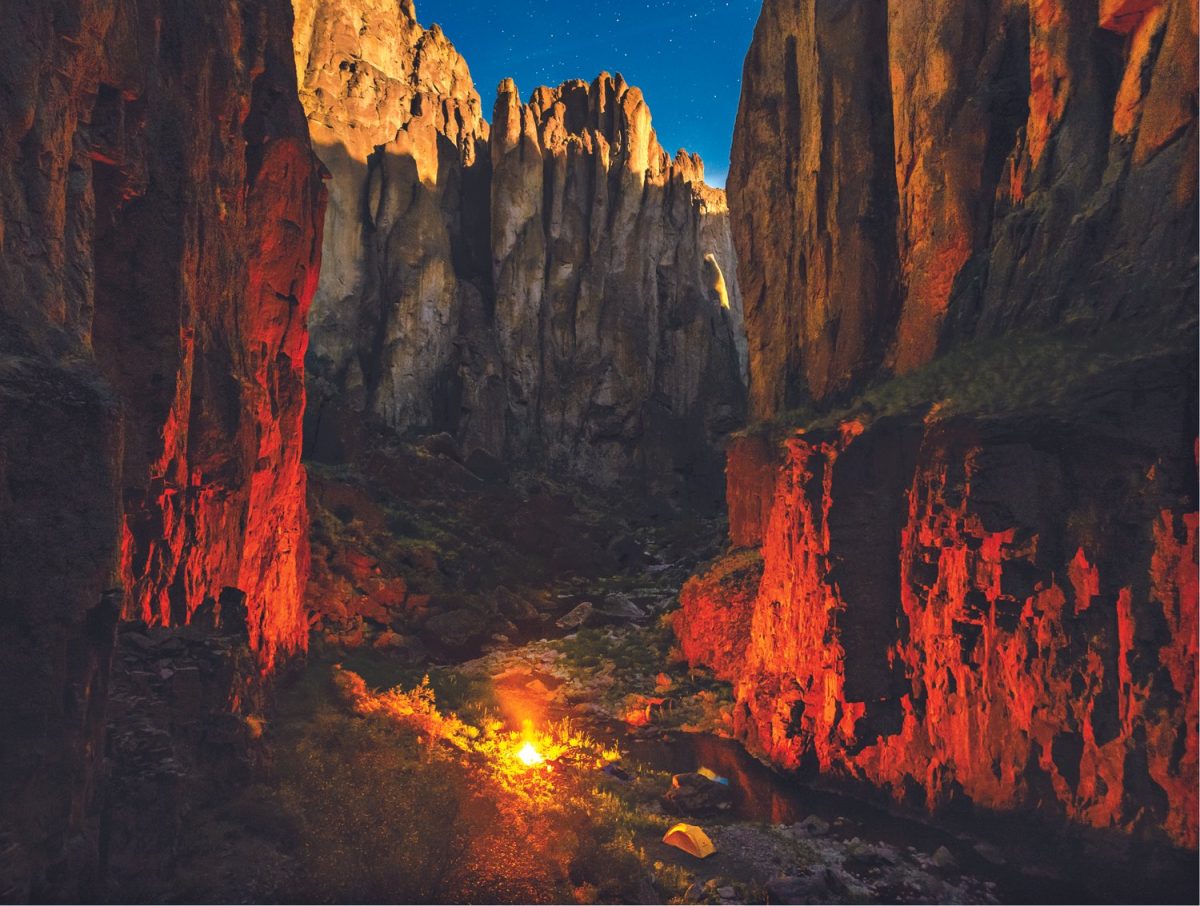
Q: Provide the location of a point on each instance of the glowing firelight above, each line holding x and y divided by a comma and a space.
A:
528, 755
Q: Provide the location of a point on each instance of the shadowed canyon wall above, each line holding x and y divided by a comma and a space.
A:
559, 291
907, 175
160, 217
964, 563
396, 119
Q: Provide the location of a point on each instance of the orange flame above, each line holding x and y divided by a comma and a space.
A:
529, 756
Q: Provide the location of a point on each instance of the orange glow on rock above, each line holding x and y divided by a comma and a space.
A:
1017, 654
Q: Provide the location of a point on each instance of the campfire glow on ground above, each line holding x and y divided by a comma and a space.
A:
528, 755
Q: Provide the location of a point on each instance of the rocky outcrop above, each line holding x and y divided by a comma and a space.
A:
950, 173
618, 347
813, 191
160, 213
979, 578
998, 612
563, 293
396, 119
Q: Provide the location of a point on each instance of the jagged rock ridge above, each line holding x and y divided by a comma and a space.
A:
543, 295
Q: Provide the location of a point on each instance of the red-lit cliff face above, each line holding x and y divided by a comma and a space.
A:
160, 214
978, 581
1002, 612
206, 259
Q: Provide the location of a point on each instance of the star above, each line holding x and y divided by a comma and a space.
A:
686, 57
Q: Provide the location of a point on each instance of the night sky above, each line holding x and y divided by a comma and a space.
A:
685, 56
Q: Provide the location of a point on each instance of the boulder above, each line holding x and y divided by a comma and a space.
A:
620, 609
577, 617
458, 630
695, 794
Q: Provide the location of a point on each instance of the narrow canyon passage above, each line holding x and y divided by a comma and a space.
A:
390, 766
420, 484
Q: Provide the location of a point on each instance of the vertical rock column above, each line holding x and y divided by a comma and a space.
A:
397, 121
813, 186
621, 353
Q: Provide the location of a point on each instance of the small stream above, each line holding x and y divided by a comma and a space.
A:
1041, 865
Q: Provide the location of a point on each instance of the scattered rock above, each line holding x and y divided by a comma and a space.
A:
458, 629
615, 770
441, 444
516, 607
620, 608
813, 826
990, 853
138, 641
389, 641
577, 617
798, 889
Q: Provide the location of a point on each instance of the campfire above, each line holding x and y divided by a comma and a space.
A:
529, 756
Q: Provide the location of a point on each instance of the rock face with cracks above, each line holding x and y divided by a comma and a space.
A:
965, 597
554, 289
396, 119
907, 175
160, 215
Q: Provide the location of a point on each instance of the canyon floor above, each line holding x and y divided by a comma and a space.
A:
503, 609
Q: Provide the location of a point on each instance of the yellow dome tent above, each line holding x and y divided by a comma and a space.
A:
691, 840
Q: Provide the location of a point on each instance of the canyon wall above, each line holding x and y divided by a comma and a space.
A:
964, 566
556, 289
396, 119
618, 347
905, 176
160, 215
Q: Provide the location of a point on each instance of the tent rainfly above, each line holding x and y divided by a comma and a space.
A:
691, 839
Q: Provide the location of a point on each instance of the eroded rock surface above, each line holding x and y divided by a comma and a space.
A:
997, 611
396, 119
617, 345
909, 175
160, 215
978, 580
555, 289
